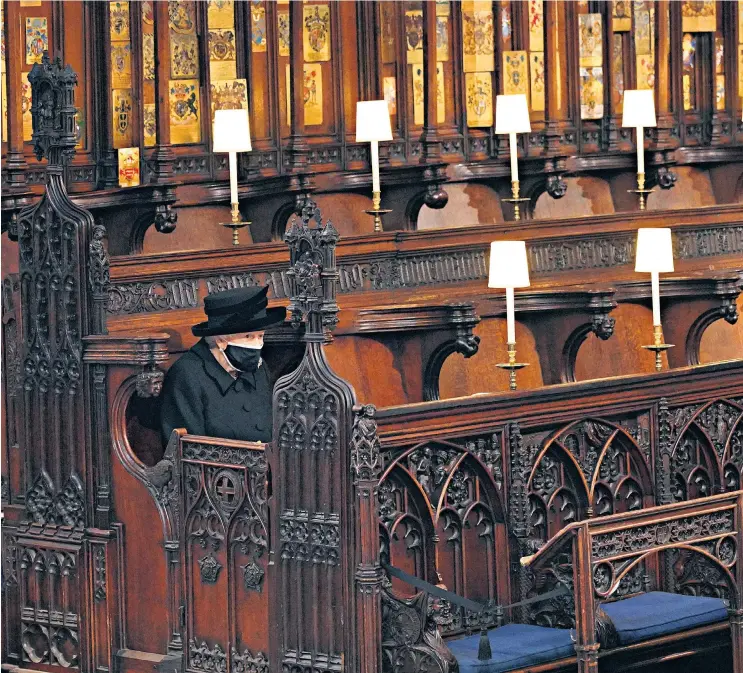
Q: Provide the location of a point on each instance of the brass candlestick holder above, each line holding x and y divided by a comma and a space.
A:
658, 347
641, 191
377, 211
512, 365
515, 200
236, 224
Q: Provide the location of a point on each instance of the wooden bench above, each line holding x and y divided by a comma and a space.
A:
578, 452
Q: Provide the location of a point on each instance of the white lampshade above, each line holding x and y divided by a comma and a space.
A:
639, 108
231, 131
512, 114
508, 264
654, 251
372, 121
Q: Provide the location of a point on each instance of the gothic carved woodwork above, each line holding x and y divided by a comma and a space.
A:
605, 551
559, 473
61, 413
440, 510
224, 547
411, 634
566, 320
13, 480
366, 468
50, 587
706, 454
313, 545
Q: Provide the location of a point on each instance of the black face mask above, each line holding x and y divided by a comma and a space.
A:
242, 358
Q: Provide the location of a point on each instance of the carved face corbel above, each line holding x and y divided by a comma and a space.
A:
150, 381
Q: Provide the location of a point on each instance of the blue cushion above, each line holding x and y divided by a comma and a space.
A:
513, 646
657, 613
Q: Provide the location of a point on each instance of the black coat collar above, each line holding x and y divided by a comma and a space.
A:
217, 372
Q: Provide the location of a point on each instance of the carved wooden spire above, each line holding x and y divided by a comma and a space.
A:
53, 110
313, 275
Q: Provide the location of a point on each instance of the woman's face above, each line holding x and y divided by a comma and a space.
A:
243, 339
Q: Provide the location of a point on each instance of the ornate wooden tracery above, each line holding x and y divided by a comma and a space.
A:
63, 542
442, 519
705, 448
323, 539
224, 545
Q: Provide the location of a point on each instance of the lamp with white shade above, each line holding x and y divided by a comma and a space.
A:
654, 255
512, 117
509, 269
639, 113
231, 134
373, 125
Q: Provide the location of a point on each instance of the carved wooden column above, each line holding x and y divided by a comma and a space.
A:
613, 118
369, 51
15, 164
434, 196
366, 467
162, 158
665, 134
736, 614
65, 528
722, 125
298, 147
323, 578
586, 647
560, 133
431, 141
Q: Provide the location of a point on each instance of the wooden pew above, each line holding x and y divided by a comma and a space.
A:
578, 452
604, 551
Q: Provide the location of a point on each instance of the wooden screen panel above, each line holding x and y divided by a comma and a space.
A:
707, 456
443, 519
225, 552
372, 369
145, 587
406, 525
479, 374
468, 204
623, 353
722, 341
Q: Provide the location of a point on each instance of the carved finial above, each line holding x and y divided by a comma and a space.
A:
313, 275
53, 110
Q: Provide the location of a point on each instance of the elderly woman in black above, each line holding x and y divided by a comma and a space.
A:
220, 387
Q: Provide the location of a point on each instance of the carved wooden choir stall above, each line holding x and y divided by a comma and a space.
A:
411, 514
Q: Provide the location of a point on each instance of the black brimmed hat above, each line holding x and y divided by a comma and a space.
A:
240, 310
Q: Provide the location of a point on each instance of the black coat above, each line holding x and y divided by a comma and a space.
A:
201, 396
